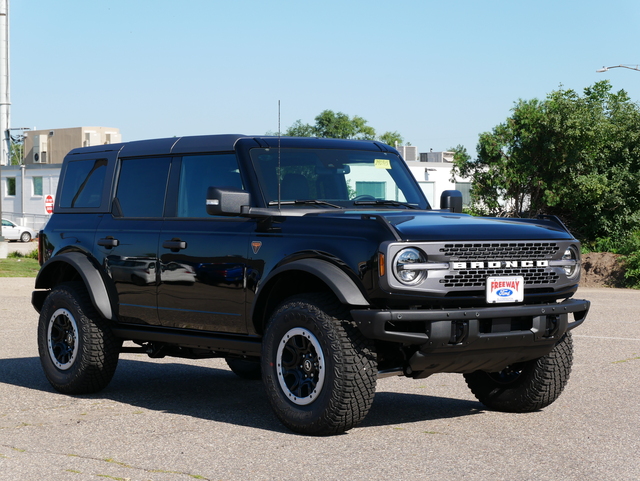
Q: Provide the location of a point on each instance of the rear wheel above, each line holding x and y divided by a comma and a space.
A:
318, 369
526, 386
78, 351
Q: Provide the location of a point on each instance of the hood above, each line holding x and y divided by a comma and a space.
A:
438, 226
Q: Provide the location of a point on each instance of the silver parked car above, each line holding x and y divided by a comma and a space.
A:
12, 231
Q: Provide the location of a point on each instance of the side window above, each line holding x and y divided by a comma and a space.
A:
11, 186
198, 172
37, 185
83, 183
465, 188
142, 186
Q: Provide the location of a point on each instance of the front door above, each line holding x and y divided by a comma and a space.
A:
203, 259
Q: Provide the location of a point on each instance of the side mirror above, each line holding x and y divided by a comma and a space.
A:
452, 200
227, 200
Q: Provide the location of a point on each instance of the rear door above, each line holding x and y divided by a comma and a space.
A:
127, 239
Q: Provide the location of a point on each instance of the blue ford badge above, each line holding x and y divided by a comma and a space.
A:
504, 292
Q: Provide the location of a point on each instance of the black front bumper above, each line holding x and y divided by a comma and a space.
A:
466, 340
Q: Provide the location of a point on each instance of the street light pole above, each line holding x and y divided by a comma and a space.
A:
5, 105
604, 69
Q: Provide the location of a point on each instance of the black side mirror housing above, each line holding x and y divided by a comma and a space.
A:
227, 201
452, 200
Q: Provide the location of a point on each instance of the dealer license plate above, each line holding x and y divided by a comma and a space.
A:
505, 289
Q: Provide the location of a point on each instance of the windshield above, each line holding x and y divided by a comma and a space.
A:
346, 178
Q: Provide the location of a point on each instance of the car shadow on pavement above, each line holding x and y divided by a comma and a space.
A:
214, 394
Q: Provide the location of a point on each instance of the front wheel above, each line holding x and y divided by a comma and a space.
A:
318, 369
526, 386
78, 351
25, 237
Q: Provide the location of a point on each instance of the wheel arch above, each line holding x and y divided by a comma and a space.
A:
70, 266
304, 275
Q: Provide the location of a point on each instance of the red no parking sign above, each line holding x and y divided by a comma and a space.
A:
48, 204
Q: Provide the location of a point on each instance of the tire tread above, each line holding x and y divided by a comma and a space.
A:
355, 367
540, 384
99, 349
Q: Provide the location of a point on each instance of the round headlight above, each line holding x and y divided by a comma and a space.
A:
572, 255
402, 266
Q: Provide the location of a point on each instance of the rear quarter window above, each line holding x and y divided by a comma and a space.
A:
83, 183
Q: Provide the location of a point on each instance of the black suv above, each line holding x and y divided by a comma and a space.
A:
315, 264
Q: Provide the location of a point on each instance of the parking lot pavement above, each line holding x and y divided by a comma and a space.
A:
22, 247
170, 419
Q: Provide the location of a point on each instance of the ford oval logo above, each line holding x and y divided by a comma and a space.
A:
504, 292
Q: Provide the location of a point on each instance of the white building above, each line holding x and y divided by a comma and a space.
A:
24, 188
432, 170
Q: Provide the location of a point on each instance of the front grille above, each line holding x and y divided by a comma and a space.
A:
500, 251
463, 267
477, 278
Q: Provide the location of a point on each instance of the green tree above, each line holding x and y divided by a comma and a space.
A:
575, 156
390, 138
340, 126
460, 155
298, 129
17, 151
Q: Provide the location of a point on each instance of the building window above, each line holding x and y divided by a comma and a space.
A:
37, 185
11, 186
465, 188
429, 191
375, 189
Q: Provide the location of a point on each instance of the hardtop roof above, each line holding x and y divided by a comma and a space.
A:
226, 143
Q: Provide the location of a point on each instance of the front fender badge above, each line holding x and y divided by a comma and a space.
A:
255, 245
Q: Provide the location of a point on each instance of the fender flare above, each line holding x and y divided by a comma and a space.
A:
335, 278
90, 275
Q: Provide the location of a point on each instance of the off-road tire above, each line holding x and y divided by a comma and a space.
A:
245, 368
339, 390
527, 386
78, 351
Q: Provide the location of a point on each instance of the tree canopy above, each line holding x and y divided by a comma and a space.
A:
575, 156
340, 126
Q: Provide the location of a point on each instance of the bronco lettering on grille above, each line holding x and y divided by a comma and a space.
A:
498, 264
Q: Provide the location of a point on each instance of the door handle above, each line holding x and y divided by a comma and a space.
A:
174, 244
109, 242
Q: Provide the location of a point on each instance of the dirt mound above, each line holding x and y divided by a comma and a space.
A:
602, 269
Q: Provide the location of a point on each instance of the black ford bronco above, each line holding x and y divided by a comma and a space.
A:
314, 264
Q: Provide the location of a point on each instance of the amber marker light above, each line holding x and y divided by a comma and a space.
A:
381, 264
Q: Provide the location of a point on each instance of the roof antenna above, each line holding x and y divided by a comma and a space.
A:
279, 172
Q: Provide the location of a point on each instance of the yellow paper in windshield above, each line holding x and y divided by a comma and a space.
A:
382, 164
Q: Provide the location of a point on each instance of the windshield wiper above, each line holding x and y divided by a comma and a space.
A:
303, 202
386, 202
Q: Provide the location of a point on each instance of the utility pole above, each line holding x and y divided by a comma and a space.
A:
5, 104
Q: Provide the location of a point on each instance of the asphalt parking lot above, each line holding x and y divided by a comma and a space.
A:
171, 419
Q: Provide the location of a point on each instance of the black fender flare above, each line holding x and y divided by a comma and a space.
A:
335, 278
90, 275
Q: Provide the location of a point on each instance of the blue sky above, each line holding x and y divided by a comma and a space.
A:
439, 72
